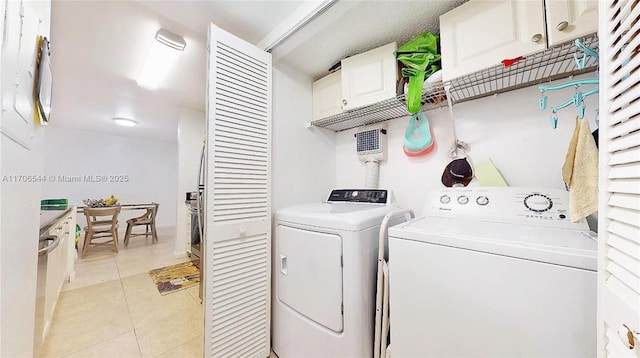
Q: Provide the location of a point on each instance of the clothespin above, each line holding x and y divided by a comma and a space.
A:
578, 101
554, 120
543, 101
580, 62
581, 109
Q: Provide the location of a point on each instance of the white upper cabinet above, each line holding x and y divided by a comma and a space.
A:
569, 19
480, 34
327, 96
369, 77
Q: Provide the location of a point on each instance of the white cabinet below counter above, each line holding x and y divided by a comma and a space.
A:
59, 260
480, 34
363, 80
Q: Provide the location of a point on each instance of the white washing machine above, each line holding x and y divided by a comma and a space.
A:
325, 262
493, 272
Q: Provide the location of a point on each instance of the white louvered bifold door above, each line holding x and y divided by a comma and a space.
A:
619, 209
238, 206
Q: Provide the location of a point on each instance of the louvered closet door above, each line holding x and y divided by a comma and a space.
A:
619, 211
238, 208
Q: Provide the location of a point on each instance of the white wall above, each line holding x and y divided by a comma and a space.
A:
508, 128
191, 133
303, 160
20, 204
150, 168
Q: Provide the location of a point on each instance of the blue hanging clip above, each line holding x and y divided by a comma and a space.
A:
580, 62
578, 99
543, 102
581, 109
554, 120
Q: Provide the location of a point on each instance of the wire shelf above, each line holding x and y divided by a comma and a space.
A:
548, 65
433, 96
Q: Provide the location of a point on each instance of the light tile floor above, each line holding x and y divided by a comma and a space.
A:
113, 309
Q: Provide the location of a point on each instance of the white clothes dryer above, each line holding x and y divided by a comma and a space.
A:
325, 261
493, 272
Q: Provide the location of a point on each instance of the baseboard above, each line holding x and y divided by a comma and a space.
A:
180, 254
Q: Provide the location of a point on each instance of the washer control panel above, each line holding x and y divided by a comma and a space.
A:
545, 207
372, 196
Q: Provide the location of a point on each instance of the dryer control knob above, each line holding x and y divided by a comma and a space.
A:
445, 199
482, 200
462, 199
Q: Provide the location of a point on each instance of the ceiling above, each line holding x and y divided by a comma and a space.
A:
98, 47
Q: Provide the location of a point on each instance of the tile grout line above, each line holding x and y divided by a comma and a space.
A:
126, 300
93, 345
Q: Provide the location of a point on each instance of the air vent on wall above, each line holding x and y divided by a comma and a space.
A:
371, 147
371, 143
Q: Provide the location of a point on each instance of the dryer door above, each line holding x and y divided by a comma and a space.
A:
309, 274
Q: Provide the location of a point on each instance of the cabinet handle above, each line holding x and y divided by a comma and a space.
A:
561, 26
344, 102
536, 38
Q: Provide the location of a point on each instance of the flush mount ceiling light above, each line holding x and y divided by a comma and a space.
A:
125, 122
164, 52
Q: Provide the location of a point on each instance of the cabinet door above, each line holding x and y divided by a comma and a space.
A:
480, 34
570, 19
369, 77
327, 96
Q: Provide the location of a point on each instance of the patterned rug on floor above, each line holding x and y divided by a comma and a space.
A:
174, 278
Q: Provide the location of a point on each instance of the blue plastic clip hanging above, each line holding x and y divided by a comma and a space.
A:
578, 99
581, 109
580, 62
543, 102
554, 120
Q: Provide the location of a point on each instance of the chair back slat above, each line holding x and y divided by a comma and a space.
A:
92, 215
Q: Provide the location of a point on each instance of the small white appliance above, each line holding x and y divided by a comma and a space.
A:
493, 272
324, 270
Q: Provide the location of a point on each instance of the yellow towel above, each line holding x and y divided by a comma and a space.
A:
567, 168
580, 172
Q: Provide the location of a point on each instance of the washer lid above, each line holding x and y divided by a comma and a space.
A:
338, 216
573, 248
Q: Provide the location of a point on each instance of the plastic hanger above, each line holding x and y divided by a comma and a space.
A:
576, 83
577, 100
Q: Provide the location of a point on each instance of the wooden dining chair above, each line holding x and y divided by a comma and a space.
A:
148, 220
101, 223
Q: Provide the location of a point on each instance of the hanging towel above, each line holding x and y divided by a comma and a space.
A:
567, 168
580, 172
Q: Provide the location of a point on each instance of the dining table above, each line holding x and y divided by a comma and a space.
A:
122, 207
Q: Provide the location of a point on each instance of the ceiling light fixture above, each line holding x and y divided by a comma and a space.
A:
164, 52
125, 122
